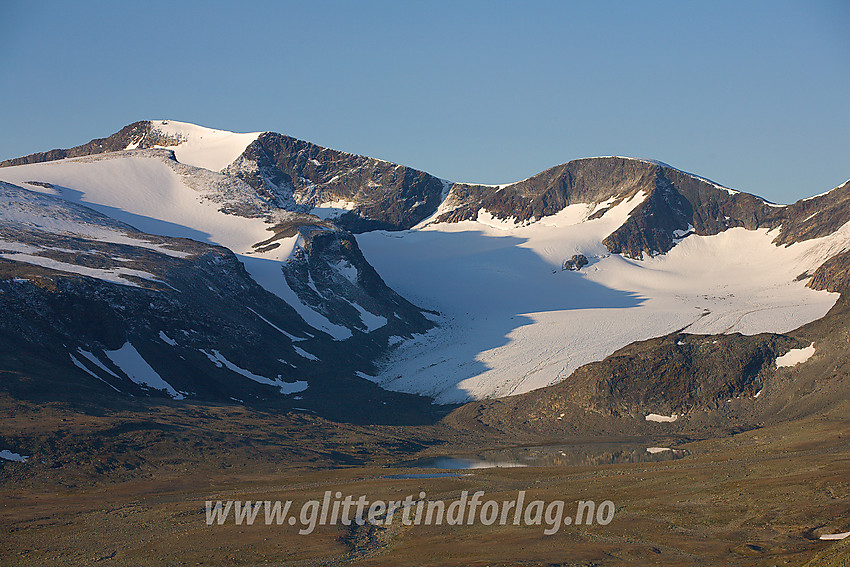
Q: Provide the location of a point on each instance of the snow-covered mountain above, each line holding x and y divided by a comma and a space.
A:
273, 220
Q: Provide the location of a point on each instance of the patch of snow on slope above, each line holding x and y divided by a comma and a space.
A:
17, 247
128, 359
114, 275
373, 322
204, 147
304, 354
347, 271
667, 165
219, 360
276, 328
661, 418
287, 388
795, 356
8, 455
446, 204
333, 209
833, 537
85, 369
825, 192
678, 233
166, 339
93, 359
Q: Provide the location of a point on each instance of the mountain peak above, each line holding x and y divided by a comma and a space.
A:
199, 146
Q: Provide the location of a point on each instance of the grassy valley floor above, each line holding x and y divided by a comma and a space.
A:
130, 489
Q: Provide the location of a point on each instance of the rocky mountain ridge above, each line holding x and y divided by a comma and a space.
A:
280, 181
370, 194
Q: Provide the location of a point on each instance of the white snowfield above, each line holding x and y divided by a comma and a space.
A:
515, 322
512, 320
35, 212
203, 147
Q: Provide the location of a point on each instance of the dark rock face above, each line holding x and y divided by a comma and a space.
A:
815, 217
832, 275
579, 181
650, 227
692, 375
133, 133
673, 201
296, 173
678, 373
691, 201
329, 273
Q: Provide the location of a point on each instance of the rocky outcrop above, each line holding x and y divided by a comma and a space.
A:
697, 382
328, 272
678, 373
672, 201
577, 262
832, 275
301, 175
815, 217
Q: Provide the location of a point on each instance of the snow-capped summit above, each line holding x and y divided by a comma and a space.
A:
200, 146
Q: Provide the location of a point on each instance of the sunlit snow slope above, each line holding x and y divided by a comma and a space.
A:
203, 147
515, 321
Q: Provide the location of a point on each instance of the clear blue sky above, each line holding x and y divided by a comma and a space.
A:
751, 94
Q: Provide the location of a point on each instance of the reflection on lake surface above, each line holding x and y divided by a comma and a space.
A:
426, 475
553, 455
